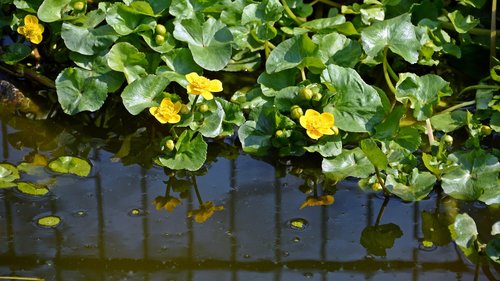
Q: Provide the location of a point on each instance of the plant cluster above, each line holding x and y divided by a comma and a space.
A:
385, 91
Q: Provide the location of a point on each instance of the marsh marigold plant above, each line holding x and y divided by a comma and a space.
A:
317, 124
199, 85
167, 112
31, 29
206, 210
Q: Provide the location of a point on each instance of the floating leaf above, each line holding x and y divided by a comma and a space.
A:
350, 163
32, 189
70, 165
327, 146
8, 172
49, 221
464, 231
357, 106
416, 187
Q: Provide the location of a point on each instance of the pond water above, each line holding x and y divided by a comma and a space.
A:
111, 229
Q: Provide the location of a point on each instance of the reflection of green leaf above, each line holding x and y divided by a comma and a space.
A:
32, 189
70, 165
493, 250
435, 228
377, 239
398, 34
350, 163
416, 187
464, 231
141, 93
476, 177
357, 106
423, 92
190, 152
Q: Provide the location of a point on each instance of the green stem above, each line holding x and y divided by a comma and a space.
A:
493, 32
457, 106
393, 74
479, 87
385, 65
303, 74
194, 103
290, 13
331, 3
267, 50
381, 181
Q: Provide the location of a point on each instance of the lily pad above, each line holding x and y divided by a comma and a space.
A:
70, 165
8, 172
49, 221
32, 189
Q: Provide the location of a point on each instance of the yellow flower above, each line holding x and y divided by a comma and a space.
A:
205, 211
167, 202
317, 201
199, 85
167, 111
32, 30
317, 124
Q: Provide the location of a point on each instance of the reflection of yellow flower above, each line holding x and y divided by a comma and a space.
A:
32, 30
199, 85
205, 211
317, 124
317, 201
167, 202
167, 111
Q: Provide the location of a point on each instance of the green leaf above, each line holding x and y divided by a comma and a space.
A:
389, 128
327, 146
462, 24
142, 93
70, 165
167, 46
474, 3
190, 152
299, 51
416, 187
378, 238
449, 121
53, 10
32, 189
209, 42
124, 57
335, 48
493, 250
356, 106
495, 121
495, 228
78, 90
15, 52
323, 23
374, 154
398, 34
408, 138
8, 172
475, 177
49, 221
181, 61
423, 92
350, 163
130, 19
211, 124
464, 231
266, 11
270, 84
87, 41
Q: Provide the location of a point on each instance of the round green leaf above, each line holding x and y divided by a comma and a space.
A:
350, 163
8, 172
49, 221
190, 152
70, 165
129, 19
141, 93
417, 187
32, 189
78, 90
15, 52
87, 41
124, 57
53, 10
211, 124
464, 231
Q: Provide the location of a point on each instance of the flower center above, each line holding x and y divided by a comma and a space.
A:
201, 83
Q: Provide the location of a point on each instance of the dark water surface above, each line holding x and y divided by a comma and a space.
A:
111, 229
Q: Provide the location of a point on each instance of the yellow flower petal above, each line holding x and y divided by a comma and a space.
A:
314, 134
21, 30
207, 95
215, 86
30, 20
36, 39
192, 77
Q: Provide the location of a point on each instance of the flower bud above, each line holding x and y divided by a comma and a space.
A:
160, 29
159, 39
278, 133
376, 186
306, 93
79, 6
486, 130
170, 145
203, 108
448, 139
317, 97
184, 109
335, 130
296, 112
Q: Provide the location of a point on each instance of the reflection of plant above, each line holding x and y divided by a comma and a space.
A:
205, 211
315, 200
167, 202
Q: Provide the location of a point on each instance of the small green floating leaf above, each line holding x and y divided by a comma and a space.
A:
49, 221
417, 187
32, 189
190, 152
70, 165
8, 172
464, 231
